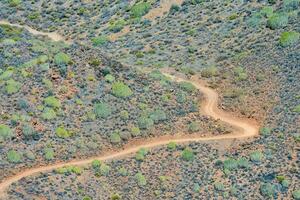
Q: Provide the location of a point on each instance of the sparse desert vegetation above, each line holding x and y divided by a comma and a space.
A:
120, 100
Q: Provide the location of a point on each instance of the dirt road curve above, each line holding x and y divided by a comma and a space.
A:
244, 128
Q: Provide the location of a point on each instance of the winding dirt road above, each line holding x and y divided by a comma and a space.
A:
243, 128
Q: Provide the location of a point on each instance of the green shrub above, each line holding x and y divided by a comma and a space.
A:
233, 93
158, 116
117, 26
77, 170
285, 183
187, 154
219, 186
139, 54
5, 132
115, 197
135, 131
87, 198
289, 38
172, 146
62, 132
145, 122
48, 114
6, 74
119, 89
209, 72
193, 127
174, 8
297, 109
187, 86
233, 16
240, 74
181, 97
34, 15
95, 62
267, 11
255, 20
230, 164
30, 155
48, 154
280, 178
13, 156
157, 75
69, 169
96, 164
104, 169
12, 86
141, 180
291, 4
99, 41
28, 131
140, 9
124, 115
14, 3
243, 163
115, 138
277, 20
109, 78
256, 156
296, 194
52, 101
123, 171
62, 59
102, 110
140, 155
267, 190
265, 131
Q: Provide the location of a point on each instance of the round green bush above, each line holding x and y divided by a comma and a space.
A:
12, 86
256, 156
296, 194
119, 89
267, 190
145, 122
13, 156
187, 86
62, 132
48, 154
278, 20
289, 38
158, 115
5, 132
141, 180
62, 58
135, 131
187, 154
172, 146
52, 101
99, 41
102, 110
115, 138
193, 127
48, 114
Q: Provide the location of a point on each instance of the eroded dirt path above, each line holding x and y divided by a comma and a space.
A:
244, 128
53, 36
